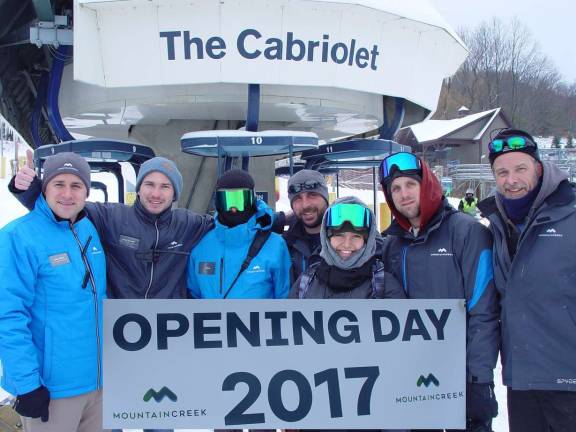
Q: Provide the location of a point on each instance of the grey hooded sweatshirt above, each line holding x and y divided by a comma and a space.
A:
317, 289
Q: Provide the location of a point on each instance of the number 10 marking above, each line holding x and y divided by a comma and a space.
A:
238, 414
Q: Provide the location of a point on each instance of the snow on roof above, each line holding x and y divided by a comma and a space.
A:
430, 130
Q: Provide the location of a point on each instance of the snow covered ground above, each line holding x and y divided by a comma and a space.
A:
10, 209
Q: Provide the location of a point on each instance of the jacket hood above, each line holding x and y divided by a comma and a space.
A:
360, 257
430, 199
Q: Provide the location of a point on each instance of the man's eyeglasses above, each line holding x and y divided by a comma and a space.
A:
401, 161
511, 142
302, 187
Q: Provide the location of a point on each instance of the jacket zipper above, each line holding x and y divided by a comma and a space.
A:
221, 273
404, 276
152, 268
95, 298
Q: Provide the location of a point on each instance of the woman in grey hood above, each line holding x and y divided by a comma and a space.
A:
349, 266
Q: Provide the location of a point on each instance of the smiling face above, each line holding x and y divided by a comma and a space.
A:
516, 174
346, 243
156, 192
405, 193
310, 207
66, 196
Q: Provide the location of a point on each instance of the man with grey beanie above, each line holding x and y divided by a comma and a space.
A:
308, 196
50, 260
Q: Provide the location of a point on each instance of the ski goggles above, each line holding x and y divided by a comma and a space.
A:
303, 187
511, 142
355, 214
401, 161
240, 199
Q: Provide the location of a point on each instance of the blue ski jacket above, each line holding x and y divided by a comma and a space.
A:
217, 258
53, 277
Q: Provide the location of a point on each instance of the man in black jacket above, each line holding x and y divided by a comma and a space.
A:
308, 196
437, 252
533, 220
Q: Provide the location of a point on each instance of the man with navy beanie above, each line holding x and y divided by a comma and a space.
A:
533, 221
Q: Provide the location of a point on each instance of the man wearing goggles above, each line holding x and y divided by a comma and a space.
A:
308, 196
216, 270
533, 220
438, 252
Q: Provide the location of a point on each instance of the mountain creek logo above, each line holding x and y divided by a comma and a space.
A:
441, 252
429, 393
550, 232
158, 396
430, 379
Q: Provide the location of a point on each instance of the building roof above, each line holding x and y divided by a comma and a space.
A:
431, 130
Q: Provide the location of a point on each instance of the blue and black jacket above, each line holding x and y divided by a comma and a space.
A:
449, 258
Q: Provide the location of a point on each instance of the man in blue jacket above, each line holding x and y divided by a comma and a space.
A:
53, 274
214, 270
437, 252
533, 220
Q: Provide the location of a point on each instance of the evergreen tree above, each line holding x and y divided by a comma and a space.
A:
556, 142
570, 141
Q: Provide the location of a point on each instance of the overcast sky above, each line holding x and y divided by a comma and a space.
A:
551, 23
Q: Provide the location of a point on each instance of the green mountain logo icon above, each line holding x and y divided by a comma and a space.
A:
431, 379
158, 396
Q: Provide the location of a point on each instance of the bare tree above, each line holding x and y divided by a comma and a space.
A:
506, 68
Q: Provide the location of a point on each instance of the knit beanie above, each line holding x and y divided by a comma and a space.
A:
307, 181
164, 166
66, 163
530, 150
235, 179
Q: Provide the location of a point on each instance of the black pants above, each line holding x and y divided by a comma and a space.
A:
541, 411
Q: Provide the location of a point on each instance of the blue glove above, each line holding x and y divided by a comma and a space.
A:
481, 404
34, 404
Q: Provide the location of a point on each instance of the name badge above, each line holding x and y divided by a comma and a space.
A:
130, 242
207, 268
59, 259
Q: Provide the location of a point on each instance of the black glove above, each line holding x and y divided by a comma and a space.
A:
481, 405
34, 404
